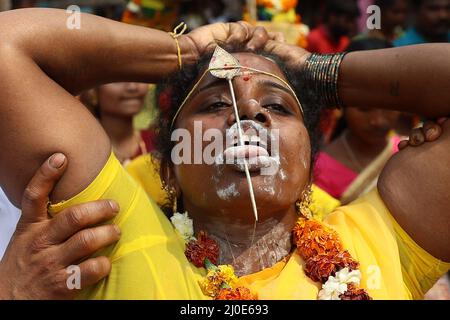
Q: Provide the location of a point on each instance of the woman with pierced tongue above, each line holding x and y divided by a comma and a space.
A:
233, 231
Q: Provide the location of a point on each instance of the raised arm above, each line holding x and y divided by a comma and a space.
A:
415, 183
43, 63
414, 79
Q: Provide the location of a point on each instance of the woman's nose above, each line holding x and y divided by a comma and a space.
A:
251, 110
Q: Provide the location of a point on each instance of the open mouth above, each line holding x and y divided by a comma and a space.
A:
255, 149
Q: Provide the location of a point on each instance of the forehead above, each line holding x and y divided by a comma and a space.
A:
254, 61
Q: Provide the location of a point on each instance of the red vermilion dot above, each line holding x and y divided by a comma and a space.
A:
246, 78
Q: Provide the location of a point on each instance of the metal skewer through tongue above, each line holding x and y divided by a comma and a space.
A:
224, 65
241, 142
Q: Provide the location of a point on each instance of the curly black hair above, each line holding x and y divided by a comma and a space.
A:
173, 91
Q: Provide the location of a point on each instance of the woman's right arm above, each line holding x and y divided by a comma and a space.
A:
43, 63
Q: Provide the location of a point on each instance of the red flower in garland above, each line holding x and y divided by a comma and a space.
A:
355, 293
202, 248
239, 293
320, 267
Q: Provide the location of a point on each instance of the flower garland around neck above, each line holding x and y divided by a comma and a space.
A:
318, 245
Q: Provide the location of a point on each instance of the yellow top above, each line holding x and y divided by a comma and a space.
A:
148, 262
145, 170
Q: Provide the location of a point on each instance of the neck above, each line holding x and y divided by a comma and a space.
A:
118, 128
249, 247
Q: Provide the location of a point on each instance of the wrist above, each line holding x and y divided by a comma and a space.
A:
189, 51
320, 72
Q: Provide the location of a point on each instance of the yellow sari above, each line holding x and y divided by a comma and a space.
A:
149, 263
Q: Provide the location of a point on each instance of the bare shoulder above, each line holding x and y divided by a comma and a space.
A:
415, 186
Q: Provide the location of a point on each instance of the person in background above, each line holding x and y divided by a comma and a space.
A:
115, 105
330, 37
333, 34
393, 19
431, 23
363, 142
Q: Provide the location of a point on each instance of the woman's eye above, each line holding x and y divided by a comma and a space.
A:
217, 106
276, 108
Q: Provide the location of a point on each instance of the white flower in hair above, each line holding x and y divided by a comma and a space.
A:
184, 225
337, 285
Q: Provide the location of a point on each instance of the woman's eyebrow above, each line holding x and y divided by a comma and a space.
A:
268, 83
215, 83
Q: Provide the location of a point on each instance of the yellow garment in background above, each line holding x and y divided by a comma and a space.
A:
145, 170
149, 263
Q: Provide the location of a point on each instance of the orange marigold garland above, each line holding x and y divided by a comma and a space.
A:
327, 262
239, 293
318, 245
320, 267
313, 238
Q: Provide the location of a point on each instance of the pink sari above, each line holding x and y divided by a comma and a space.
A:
335, 178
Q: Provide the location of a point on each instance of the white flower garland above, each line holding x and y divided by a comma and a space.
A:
337, 285
184, 225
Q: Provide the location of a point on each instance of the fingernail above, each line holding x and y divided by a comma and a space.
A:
114, 206
430, 132
117, 230
57, 160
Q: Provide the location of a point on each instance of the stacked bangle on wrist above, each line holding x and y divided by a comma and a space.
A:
321, 73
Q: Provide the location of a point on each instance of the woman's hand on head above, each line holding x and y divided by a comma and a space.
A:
429, 132
36, 261
205, 38
294, 56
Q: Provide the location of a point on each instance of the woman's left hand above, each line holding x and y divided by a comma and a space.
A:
429, 132
203, 39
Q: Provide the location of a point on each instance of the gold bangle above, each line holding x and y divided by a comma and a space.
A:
175, 34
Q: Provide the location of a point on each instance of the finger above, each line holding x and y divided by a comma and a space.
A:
432, 131
239, 32
35, 196
93, 270
87, 242
416, 137
272, 46
403, 144
277, 36
258, 39
441, 121
82, 216
77, 277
